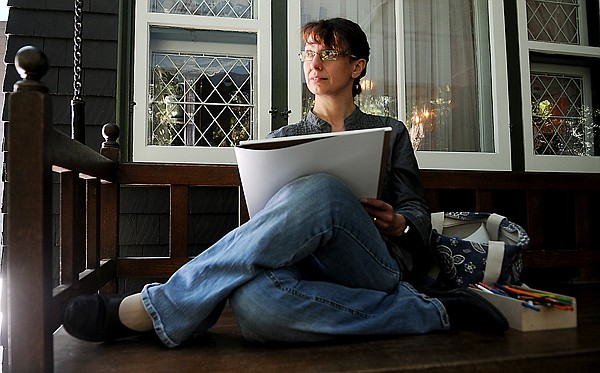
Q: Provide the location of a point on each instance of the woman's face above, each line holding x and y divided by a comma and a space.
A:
330, 77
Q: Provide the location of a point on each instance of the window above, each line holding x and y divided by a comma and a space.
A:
203, 97
560, 134
198, 64
203, 77
448, 80
560, 110
439, 66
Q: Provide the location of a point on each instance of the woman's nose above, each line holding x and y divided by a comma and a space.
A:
316, 62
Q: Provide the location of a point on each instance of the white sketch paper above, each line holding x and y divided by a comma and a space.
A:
357, 157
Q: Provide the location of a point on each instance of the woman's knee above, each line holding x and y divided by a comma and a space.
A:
321, 182
319, 190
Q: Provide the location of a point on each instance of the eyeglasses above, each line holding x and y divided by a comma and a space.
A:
325, 55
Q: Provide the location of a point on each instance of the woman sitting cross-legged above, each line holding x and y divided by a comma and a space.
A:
315, 263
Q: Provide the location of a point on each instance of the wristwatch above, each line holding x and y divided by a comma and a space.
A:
407, 228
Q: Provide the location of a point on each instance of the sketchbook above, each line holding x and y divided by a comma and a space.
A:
357, 157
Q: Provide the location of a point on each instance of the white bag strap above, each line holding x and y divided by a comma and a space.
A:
493, 265
437, 221
493, 226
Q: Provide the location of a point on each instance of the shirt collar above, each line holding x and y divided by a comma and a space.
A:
351, 122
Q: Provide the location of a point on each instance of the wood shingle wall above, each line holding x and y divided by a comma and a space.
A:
48, 25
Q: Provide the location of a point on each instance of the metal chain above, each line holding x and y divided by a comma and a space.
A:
77, 84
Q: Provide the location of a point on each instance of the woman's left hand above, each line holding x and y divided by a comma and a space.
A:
384, 217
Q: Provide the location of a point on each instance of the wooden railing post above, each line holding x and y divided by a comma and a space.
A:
29, 261
109, 205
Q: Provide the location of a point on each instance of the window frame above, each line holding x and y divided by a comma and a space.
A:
549, 163
144, 20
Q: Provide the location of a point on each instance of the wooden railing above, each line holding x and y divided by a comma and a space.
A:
179, 178
89, 195
35, 150
554, 208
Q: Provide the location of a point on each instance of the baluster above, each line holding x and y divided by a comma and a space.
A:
109, 202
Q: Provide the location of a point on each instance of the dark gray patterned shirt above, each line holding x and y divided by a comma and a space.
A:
402, 189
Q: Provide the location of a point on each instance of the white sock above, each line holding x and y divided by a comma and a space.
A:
133, 314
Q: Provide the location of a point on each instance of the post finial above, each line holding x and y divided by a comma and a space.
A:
110, 146
110, 132
31, 64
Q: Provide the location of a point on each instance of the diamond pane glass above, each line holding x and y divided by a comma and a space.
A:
210, 8
555, 21
200, 100
560, 118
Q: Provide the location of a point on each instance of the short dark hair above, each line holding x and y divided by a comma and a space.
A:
342, 35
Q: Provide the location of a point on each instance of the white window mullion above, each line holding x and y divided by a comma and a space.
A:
571, 50
484, 76
141, 79
295, 72
400, 62
264, 74
500, 104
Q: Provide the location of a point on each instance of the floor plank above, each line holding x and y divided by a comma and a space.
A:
224, 350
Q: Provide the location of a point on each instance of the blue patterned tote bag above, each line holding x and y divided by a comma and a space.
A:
470, 247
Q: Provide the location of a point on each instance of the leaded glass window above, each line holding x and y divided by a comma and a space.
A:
555, 21
561, 119
210, 8
201, 93
198, 64
200, 100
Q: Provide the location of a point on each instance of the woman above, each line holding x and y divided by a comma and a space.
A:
315, 263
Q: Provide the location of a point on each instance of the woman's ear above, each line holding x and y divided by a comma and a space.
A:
359, 66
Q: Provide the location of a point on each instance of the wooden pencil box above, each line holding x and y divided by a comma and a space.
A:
526, 319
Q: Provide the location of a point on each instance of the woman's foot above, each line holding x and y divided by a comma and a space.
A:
468, 311
95, 318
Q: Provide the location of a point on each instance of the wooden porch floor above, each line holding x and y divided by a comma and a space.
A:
224, 350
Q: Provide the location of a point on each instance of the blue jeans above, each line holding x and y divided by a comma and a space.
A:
310, 266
